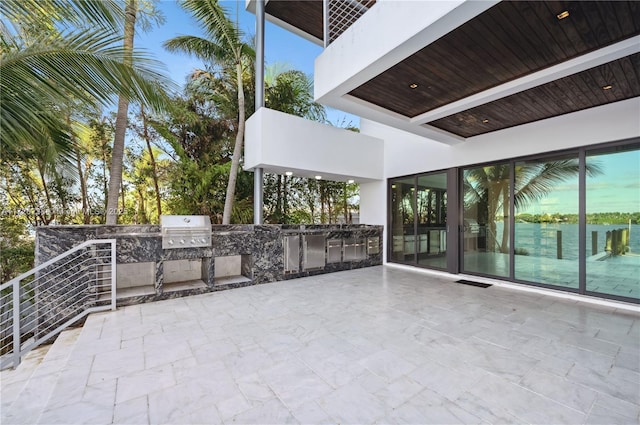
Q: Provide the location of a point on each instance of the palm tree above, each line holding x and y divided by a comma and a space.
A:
54, 50
117, 157
223, 46
291, 92
488, 188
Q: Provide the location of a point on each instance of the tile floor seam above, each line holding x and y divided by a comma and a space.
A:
552, 400
115, 402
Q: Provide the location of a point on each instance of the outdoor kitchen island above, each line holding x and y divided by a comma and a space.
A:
237, 255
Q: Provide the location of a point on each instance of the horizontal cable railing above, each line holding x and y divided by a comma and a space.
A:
341, 14
39, 304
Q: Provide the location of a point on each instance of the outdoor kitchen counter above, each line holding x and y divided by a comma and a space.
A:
258, 250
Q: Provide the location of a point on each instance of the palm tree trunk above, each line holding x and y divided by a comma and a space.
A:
115, 174
344, 203
46, 218
505, 219
152, 158
83, 182
83, 189
279, 198
285, 207
237, 149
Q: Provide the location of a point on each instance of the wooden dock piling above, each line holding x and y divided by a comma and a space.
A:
559, 243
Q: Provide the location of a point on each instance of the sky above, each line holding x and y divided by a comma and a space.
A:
281, 46
616, 189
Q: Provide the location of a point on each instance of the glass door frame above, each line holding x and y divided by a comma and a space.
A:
451, 220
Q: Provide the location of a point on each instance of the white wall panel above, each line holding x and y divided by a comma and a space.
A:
279, 142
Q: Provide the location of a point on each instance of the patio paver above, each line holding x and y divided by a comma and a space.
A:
375, 345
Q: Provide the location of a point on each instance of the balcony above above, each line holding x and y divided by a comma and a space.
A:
281, 143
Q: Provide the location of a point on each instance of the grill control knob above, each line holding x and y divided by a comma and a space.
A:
193, 241
182, 241
203, 240
170, 241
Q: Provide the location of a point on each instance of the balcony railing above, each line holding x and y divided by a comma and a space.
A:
340, 15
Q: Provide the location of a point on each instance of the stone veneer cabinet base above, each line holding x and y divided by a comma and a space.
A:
153, 273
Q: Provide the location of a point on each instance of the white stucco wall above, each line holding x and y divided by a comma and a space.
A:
279, 142
406, 153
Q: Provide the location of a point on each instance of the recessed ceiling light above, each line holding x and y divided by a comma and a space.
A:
562, 15
288, 173
413, 86
318, 177
607, 87
393, 186
350, 181
485, 121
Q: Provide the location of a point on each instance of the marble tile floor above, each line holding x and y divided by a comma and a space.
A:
374, 345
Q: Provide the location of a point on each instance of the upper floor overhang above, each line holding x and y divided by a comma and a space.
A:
452, 70
285, 144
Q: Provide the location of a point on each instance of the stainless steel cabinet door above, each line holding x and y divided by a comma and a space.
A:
313, 251
291, 254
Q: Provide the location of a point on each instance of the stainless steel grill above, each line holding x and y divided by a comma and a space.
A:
185, 231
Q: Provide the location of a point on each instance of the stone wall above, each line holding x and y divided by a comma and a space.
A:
260, 247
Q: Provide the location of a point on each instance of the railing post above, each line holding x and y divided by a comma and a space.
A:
113, 274
16, 324
325, 22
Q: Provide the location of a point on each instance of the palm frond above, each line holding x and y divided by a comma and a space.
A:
105, 14
87, 66
199, 47
212, 17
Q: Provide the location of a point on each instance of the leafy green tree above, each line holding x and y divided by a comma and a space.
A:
223, 46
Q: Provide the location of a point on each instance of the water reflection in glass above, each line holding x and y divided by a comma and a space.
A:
546, 221
485, 239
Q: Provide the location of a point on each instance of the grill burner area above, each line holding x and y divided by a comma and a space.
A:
185, 231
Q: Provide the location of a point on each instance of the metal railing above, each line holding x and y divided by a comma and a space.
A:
41, 303
340, 15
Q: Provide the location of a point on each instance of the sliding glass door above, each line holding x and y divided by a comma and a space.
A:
402, 196
613, 221
431, 202
418, 220
546, 230
485, 234
567, 220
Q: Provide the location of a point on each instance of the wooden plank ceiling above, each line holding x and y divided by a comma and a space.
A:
611, 82
303, 14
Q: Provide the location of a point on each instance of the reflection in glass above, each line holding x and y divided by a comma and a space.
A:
402, 220
613, 223
431, 209
546, 221
486, 220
